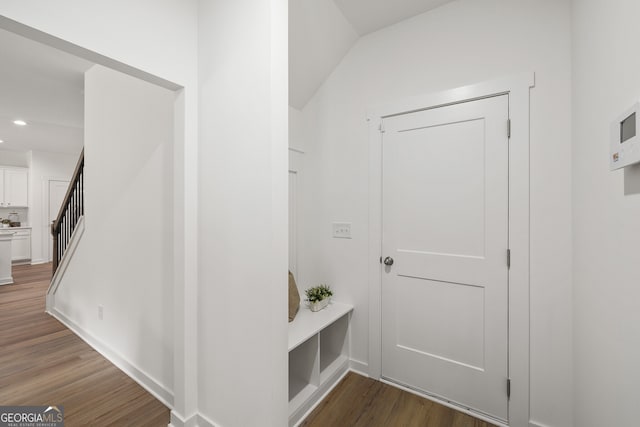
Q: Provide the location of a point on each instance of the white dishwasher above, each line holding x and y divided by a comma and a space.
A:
21, 246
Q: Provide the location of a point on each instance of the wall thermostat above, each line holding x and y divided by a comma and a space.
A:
625, 142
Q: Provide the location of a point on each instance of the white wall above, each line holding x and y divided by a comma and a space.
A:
124, 261
460, 43
148, 34
242, 363
14, 158
320, 36
45, 166
606, 208
297, 140
297, 136
158, 37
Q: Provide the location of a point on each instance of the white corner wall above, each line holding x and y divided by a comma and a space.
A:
45, 166
124, 260
242, 295
461, 43
606, 209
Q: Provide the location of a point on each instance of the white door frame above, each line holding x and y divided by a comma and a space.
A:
295, 168
518, 88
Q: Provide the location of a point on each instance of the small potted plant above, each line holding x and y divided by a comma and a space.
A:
6, 223
318, 297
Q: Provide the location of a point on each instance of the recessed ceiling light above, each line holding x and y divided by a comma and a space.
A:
20, 122
1, 141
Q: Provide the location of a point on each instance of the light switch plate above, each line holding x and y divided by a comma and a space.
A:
341, 230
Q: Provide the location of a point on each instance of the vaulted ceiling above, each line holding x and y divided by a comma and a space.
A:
321, 32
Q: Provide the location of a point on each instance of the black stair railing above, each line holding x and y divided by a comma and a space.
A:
70, 212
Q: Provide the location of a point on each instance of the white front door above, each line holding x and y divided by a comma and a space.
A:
57, 191
445, 231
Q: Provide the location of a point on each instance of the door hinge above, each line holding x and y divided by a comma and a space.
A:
381, 127
508, 388
508, 258
508, 128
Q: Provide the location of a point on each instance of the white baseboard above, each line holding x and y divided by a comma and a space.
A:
6, 280
205, 422
178, 421
359, 367
536, 424
39, 261
159, 391
195, 420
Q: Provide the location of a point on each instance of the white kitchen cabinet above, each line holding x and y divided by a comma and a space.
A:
14, 184
21, 245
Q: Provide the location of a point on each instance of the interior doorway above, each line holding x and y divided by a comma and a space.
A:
180, 181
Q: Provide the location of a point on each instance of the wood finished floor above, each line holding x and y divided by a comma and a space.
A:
44, 363
362, 402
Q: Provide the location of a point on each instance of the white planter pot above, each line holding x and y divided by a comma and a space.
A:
319, 305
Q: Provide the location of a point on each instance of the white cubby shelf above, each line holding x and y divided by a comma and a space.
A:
318, 355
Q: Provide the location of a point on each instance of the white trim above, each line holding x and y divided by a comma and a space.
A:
295, 167
359, 367
178, 421
295, 160
76, 236
195, 420
518, 88
206, 422
293, 221
38, 261
536, 424
160, 392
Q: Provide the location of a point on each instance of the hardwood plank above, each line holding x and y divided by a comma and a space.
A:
43, 363
362, 402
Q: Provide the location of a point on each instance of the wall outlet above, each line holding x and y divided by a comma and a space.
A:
341, 230
100, 312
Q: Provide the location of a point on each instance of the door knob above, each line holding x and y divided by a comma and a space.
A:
388, 261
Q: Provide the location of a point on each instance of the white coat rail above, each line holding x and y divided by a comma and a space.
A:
318, 355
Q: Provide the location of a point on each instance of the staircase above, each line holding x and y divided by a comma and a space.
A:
70, 215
